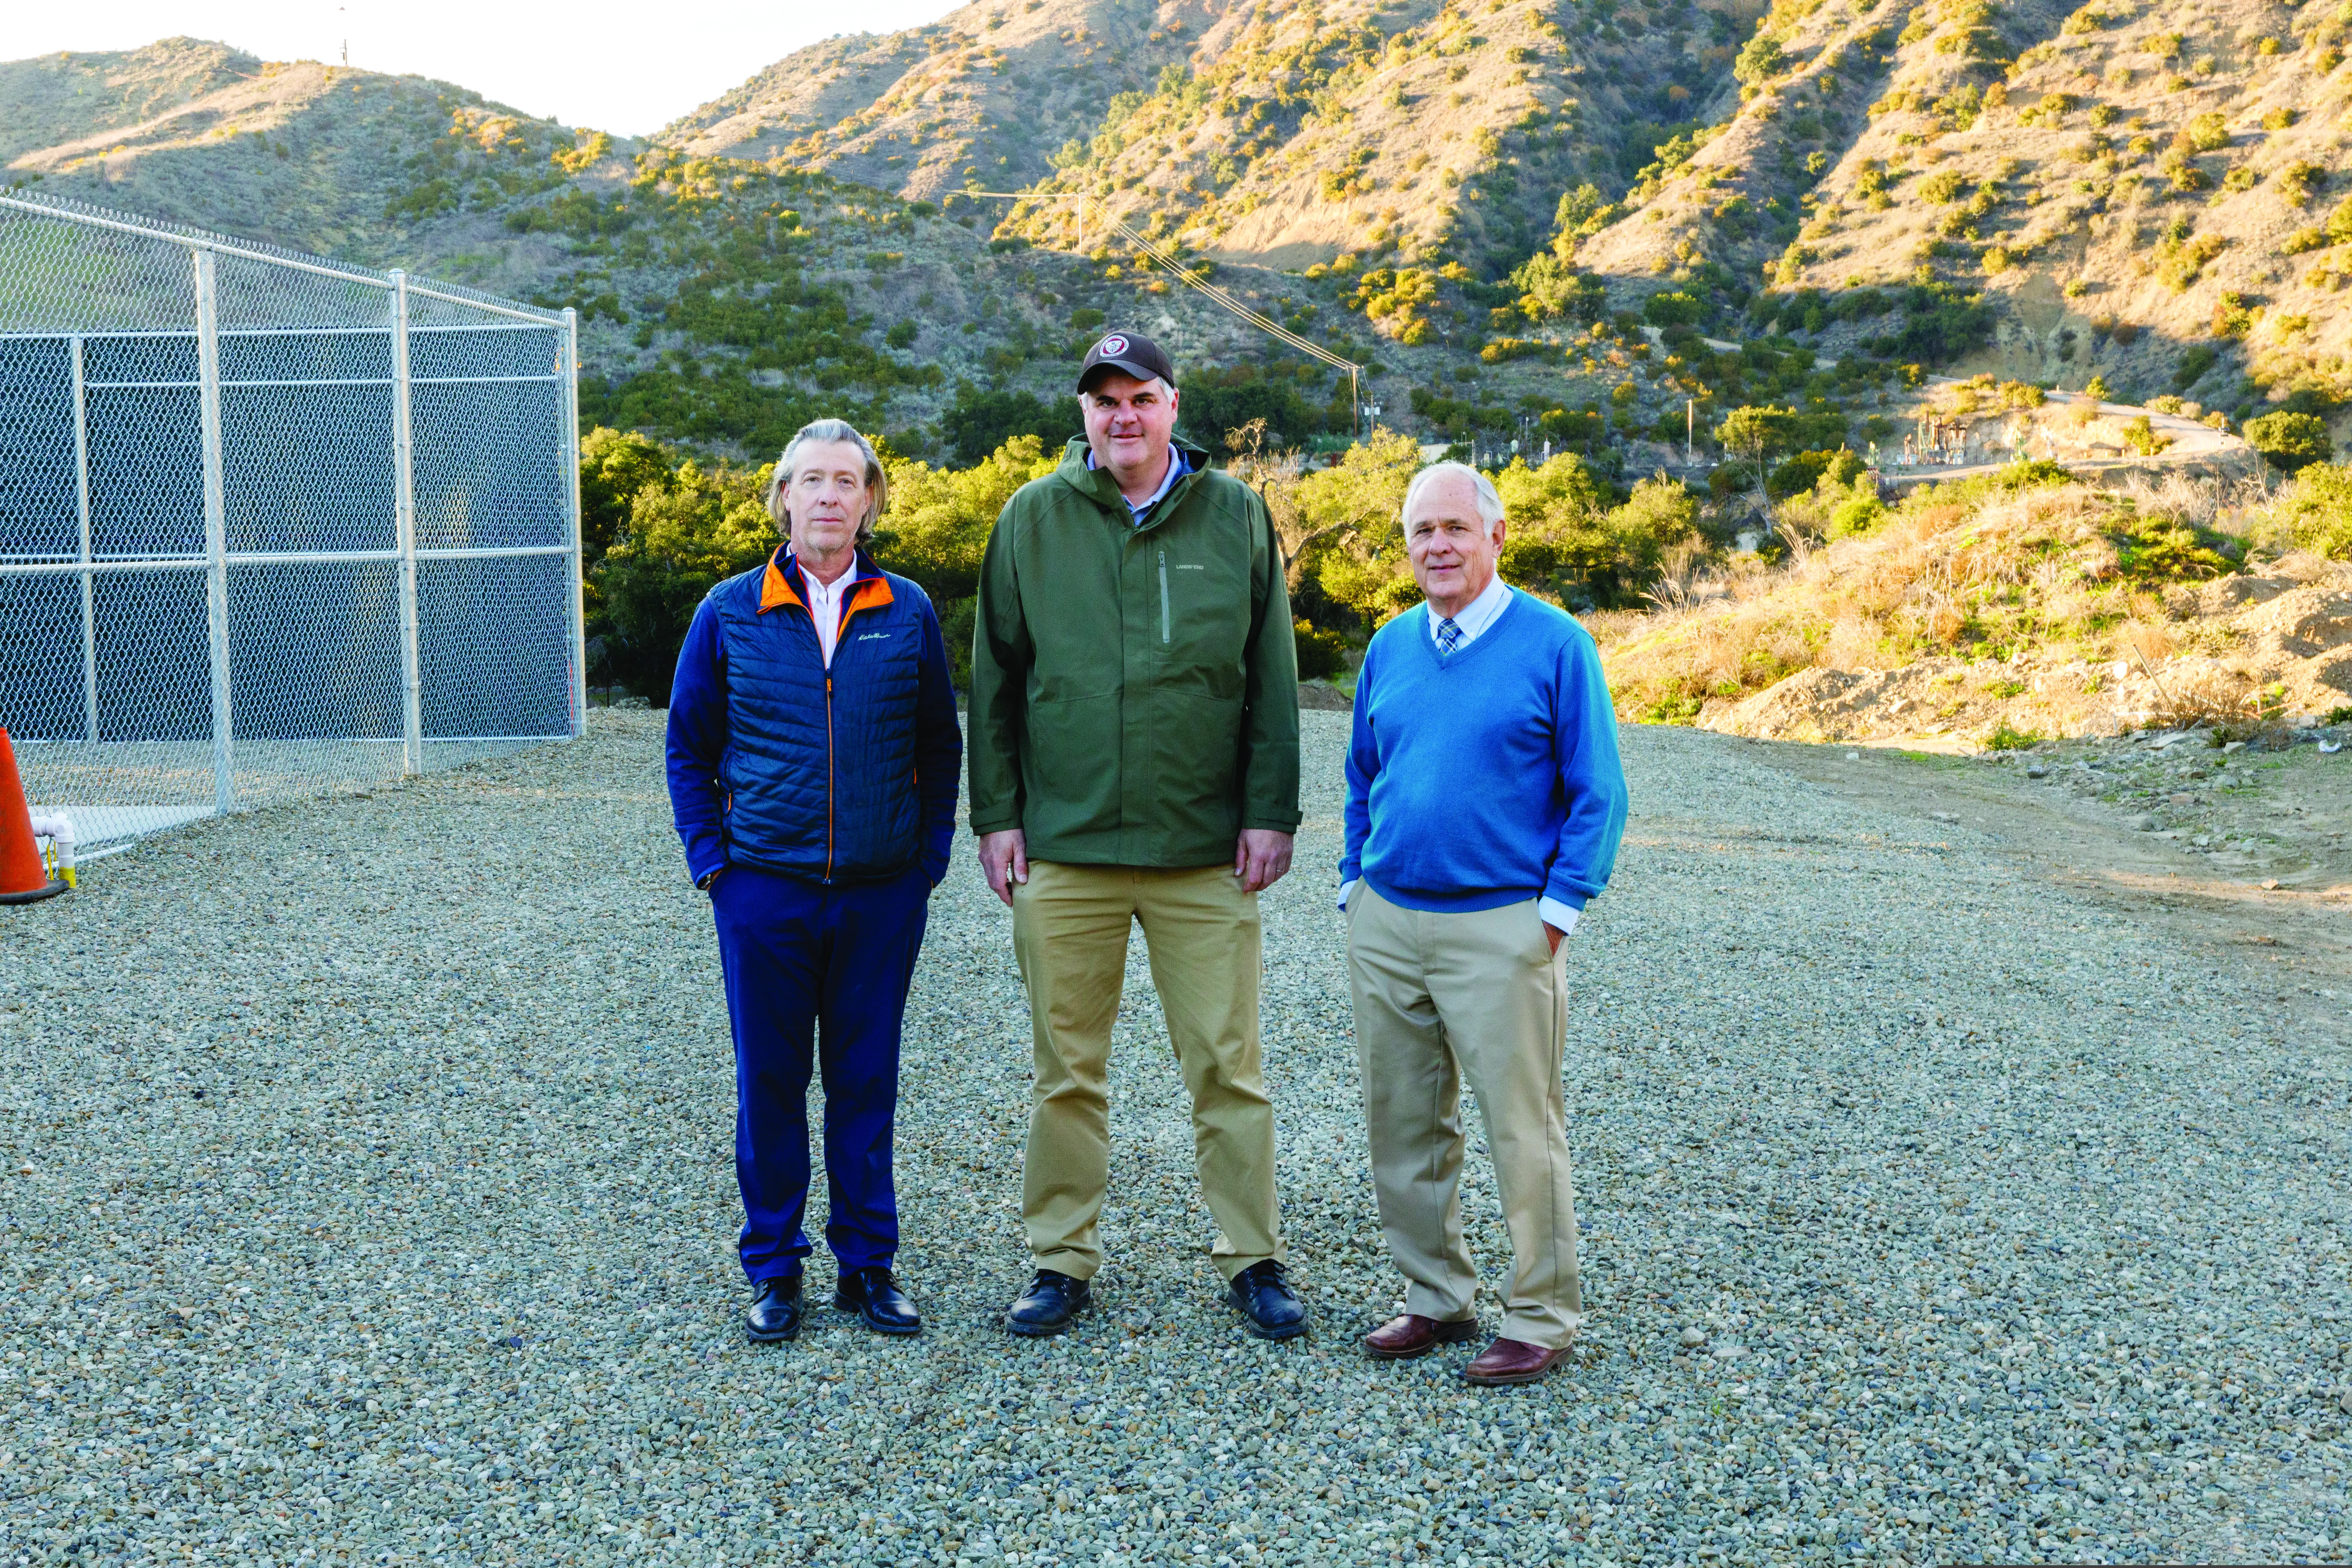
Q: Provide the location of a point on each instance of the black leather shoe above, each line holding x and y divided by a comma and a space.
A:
775, 1311
874, 1296
1267, 1303
1052, 1299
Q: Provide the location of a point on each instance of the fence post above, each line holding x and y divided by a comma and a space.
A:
208, 399
89, 593
404, 512
568, 448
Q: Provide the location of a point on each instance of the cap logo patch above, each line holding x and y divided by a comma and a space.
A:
1112, 345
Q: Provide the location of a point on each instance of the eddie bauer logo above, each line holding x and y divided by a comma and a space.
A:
871, 636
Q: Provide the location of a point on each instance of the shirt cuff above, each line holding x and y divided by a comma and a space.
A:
1557, 915
1345, 889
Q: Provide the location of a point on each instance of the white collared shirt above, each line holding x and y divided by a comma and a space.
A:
1477, 615
824, 606
1177, 468
1475, 618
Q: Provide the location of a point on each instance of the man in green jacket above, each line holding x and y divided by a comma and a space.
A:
1135, 758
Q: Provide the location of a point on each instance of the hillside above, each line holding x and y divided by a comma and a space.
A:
2139, 191
986, 94
2017, 604
1518, 215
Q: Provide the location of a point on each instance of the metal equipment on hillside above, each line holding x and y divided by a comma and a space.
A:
270, 525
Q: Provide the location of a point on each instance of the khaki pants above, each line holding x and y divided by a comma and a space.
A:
1438, 996
1069, 932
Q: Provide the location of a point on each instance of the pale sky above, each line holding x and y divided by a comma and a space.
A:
627, 69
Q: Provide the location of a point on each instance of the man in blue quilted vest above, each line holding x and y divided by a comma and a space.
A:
812, 767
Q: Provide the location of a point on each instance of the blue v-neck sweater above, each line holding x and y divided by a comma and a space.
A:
1488, 776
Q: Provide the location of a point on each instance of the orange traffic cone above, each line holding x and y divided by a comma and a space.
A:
24, 879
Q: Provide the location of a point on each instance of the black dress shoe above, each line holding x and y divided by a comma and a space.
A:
775, 1311
1267, 1303
874, 1296
1052, 1299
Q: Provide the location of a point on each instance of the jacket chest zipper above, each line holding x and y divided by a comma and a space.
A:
1163, 595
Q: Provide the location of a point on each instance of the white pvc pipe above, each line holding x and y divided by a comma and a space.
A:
59, 830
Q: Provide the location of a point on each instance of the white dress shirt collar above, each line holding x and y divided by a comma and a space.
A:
1478, 614
824, 605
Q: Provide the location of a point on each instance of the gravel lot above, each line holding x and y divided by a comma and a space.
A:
367, 1197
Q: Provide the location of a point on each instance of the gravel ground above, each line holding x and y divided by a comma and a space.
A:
367, 1197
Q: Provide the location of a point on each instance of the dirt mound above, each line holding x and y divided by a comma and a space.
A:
2232, 651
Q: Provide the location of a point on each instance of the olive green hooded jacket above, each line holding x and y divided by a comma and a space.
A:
1134, 690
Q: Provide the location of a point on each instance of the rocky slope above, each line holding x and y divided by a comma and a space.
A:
2140, 192
987, 94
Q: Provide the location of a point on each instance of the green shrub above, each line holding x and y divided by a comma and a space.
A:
1503, 349
2207, 133
2318, 510
1321, 653
2290, 440
1796, 473
1860, 514
1673, 309
1760, 59
2007, 737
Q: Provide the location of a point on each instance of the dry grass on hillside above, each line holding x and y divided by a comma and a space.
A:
2046, 606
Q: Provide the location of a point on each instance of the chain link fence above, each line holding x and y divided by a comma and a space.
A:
270, 526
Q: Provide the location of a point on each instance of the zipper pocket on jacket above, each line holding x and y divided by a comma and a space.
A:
1163, 595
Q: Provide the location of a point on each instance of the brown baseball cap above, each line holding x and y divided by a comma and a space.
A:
1132, 353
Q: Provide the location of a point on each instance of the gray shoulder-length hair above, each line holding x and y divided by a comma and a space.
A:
1490, 504
810, 434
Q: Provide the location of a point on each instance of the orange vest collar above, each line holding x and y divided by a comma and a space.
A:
871, 595
775, 589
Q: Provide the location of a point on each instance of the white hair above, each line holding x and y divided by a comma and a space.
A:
1490, 504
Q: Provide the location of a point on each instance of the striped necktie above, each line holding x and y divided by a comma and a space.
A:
1449, 635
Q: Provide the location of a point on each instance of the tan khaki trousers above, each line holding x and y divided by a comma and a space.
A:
1069, 933
1439, 996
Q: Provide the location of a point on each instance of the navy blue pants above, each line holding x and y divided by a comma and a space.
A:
816, 974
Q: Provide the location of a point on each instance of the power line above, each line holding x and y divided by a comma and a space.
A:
1192, 280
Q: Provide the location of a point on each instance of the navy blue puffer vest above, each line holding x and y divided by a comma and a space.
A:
820, 766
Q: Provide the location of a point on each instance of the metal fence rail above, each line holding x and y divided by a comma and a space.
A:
270, 525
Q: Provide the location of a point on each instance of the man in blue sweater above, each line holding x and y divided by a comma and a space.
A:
813, 759
1485, 803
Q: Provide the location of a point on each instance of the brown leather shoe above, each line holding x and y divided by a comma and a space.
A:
1401, 1338
1511, 1360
